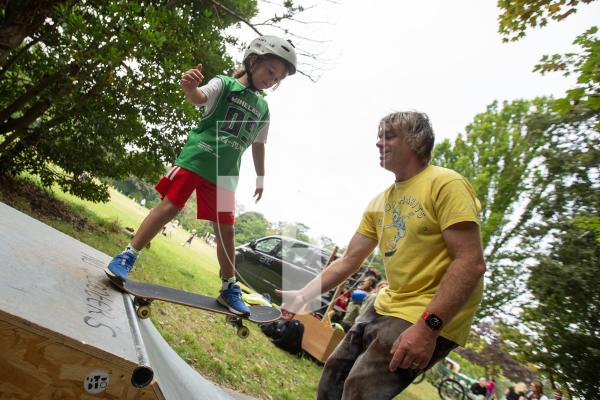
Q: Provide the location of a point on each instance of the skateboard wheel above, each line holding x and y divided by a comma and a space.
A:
143, 312
243, 332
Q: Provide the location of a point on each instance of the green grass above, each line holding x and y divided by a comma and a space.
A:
253, 366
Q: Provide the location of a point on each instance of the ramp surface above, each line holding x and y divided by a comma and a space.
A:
64, 330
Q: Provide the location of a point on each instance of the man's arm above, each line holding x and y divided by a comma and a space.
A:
258, 156
359, 248
415, 346
465, 271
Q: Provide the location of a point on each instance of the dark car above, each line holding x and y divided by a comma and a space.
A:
276, 262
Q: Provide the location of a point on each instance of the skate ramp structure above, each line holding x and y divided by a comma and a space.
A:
66, 333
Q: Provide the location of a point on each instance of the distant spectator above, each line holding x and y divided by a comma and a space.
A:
510, 394
491, 384
143, 202
536, 391
373, 273
174, 226
520, 389
163, 231
478, 391
189, 240
357, 298
371, 299
558, 394
368, 284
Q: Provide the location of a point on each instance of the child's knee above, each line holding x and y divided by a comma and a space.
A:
224, 231
167, 206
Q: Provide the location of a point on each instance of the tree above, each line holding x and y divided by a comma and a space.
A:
562, 329
296, 230
250, 226
326, 242
500, 155
586, 65
519, 15
22, 18
91, 94
137, 189
94, 87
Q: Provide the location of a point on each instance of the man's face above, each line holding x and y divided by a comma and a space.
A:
393, 150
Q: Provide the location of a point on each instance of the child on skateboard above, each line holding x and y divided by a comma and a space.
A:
236, 116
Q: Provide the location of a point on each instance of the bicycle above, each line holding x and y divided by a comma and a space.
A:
444, 380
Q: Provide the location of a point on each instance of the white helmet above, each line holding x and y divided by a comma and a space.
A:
277, 46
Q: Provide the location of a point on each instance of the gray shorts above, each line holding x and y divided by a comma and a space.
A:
358, 368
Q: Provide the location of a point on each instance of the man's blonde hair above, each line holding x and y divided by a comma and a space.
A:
417, 130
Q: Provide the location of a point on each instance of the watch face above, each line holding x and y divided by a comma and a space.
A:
434, 322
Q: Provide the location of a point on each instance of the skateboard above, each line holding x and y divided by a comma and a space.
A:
145, 293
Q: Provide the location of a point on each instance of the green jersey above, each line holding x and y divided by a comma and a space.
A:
214, 148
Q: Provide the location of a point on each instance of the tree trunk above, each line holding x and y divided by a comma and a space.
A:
22, 18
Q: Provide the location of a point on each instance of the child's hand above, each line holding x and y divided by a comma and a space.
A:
258, 194
192, 78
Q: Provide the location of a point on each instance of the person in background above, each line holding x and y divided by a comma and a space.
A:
520, 389
357, 297
477, 390
189, 240
510, 394
491, 384
536, 391
370, 300
368, 284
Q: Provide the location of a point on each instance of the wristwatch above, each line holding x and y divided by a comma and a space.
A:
432, 320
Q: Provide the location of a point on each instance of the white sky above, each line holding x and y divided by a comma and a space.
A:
441, 57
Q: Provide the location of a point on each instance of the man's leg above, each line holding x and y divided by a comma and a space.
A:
341, 361
370, 377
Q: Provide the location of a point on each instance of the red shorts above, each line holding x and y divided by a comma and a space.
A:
212, 203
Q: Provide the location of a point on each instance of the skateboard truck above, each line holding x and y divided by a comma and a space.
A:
242, 330
142, 307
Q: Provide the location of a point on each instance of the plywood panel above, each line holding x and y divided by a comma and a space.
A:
319, 340
36, 367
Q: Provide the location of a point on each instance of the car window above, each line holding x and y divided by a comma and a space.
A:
267, 245
320, 259
296, 253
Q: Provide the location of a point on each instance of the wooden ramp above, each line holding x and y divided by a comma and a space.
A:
64, 333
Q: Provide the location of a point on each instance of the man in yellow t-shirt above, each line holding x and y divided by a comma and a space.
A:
427, 228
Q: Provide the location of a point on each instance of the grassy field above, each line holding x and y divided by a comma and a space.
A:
253, 366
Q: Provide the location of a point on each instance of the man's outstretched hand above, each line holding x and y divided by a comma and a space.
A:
293, 303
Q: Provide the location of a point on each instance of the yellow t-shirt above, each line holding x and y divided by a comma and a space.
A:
407, 220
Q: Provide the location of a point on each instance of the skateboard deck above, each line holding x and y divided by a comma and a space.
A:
145, 293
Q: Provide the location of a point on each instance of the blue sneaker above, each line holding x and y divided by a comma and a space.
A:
122, 264
232, 299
